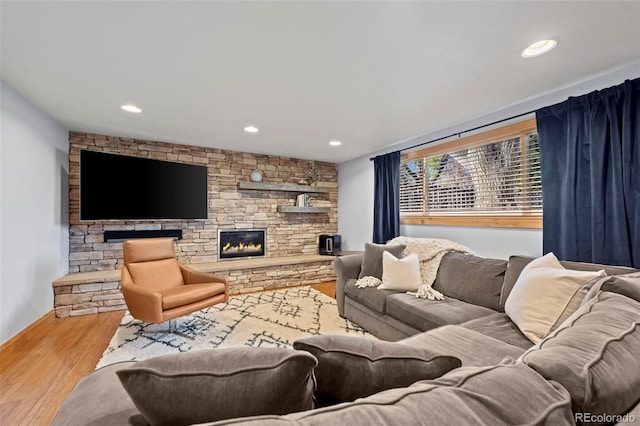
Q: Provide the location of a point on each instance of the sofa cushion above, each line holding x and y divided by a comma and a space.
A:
466, 396
208, 385
594, 355
471, 347
517, 263
371, 297
400, 274
425, 314
499, 326
99, 399
545, 294
355, 367
380, 325
626, 285
372, 259
471, 279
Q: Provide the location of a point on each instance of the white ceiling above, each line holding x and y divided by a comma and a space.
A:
367, 73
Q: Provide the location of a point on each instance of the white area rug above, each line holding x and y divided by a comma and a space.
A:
275, 318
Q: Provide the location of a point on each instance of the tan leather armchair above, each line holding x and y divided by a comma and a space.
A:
157, 288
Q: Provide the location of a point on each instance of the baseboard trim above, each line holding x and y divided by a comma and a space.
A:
24, 331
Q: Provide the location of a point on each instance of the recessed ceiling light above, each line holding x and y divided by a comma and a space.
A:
335, 143
251, 129
539, 48
131, 108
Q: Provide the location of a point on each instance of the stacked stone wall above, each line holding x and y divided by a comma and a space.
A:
90, 298
105, 294
288, 234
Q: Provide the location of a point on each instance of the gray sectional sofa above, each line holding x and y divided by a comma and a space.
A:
475, 289
587, 371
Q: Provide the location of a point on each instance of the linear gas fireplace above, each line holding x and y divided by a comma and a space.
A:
236, 243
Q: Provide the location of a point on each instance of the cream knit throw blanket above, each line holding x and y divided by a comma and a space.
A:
430, 251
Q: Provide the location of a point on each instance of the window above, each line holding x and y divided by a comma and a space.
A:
488, 179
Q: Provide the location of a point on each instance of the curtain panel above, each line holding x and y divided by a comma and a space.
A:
386, 202
590, 159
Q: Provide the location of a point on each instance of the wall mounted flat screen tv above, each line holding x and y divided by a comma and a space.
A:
118, 187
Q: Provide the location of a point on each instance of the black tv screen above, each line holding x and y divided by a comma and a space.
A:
117, 187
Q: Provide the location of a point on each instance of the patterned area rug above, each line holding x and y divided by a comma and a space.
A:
275, 318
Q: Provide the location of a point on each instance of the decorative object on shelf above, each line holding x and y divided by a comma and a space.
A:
313, 176
256, 176
296, 209
302, 200
330, 244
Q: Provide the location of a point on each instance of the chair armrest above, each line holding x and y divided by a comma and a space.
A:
143, 304
346, 267
191, 276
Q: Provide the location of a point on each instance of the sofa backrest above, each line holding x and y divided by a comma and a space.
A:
471, 279
594, 355
495, 395
517, 263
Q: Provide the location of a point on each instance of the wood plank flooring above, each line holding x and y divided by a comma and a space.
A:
40, 367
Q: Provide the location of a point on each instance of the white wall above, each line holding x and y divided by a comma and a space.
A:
355, 182
33, 210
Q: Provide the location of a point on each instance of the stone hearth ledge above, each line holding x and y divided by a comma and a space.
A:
84, 293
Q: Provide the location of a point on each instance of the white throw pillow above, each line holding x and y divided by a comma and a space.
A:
400, 274
546, 294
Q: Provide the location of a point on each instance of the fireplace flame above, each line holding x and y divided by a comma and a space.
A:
228, 248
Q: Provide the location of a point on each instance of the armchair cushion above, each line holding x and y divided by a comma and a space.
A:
209, 385
145, 250
156, 275
190, 293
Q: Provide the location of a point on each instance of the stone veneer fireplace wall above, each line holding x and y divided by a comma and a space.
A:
288, 234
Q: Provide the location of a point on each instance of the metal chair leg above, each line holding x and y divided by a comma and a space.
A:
173, 329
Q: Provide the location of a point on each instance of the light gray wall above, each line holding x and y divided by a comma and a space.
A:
355, 181
487, 242
355, 203
33, 210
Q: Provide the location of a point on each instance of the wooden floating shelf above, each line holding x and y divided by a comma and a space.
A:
296, 209
282, 187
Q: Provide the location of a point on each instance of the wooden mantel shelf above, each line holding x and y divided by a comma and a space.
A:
302, 209
223, 266
282, 187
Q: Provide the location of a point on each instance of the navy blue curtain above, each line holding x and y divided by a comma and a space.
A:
386, 202
590, 159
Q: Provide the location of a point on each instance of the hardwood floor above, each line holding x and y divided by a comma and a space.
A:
39, 368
